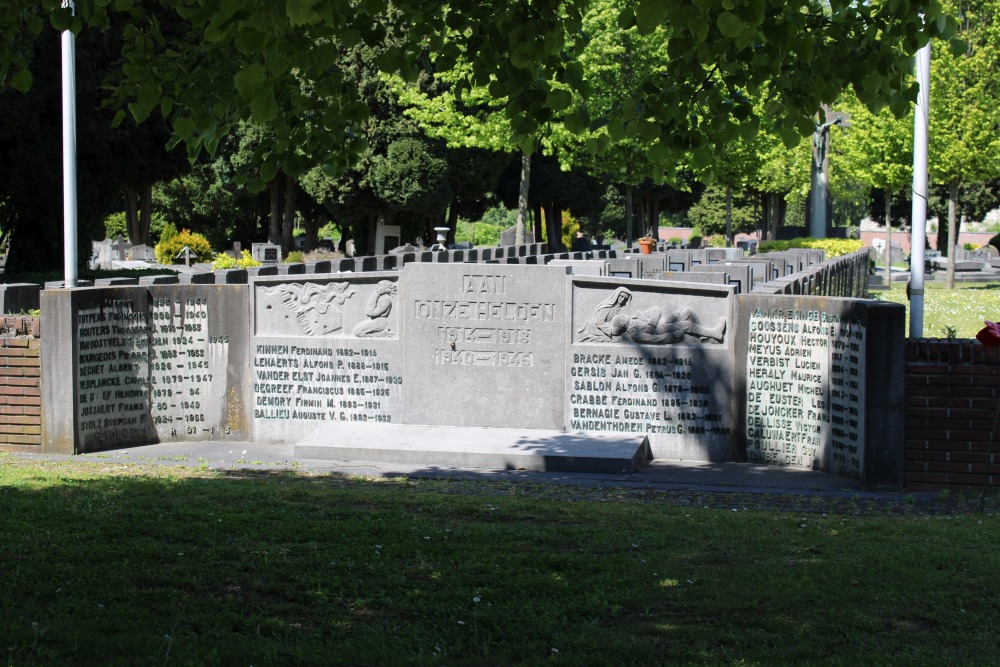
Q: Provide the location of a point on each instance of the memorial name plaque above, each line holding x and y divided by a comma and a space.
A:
653, 359
192, 396
113, 373
142, 364
485, 345
804, 393
325, 350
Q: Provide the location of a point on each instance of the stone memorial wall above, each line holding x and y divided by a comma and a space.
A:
485, 345
705, 373
653, 358
325, 349
821, 378
136, 365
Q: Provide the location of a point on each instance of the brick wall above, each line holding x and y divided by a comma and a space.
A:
952, 395
20, 395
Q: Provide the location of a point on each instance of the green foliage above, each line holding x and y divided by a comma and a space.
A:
224, 261
166, 251
570, 226
716, 241
115, 225
710, 212
168, 232
479, 233
294, 257
833, 247
694, 240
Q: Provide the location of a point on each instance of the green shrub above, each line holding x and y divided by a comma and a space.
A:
294, 256
675, 239
166, 251
694, 241
168, 232
114, 225
224, 261
716, 241
833, 247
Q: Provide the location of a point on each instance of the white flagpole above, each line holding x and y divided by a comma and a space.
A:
919, 212
69, 152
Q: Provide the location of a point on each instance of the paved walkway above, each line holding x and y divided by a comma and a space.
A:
659, 474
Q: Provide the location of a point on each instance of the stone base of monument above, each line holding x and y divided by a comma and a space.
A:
482, 448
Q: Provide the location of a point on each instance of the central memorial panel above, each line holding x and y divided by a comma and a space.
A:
325, 350
485, 345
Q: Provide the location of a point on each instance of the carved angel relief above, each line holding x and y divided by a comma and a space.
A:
315, 306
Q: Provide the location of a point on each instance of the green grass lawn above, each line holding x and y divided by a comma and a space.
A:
120, 565
963, 308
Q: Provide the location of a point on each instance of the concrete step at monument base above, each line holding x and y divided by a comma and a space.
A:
481, 448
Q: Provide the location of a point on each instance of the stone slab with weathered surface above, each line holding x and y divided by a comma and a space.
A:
483, 448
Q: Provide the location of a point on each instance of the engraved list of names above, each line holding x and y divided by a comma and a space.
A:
804, 393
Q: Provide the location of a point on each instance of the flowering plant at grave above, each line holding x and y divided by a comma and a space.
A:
990, 334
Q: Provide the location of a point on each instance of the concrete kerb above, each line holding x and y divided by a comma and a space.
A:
724, 477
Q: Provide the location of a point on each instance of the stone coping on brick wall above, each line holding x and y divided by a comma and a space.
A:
948, 350
21, 325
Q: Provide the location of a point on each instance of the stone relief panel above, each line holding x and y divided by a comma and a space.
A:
617, 318
364, 308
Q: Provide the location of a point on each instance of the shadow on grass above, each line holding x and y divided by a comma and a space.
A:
239, 567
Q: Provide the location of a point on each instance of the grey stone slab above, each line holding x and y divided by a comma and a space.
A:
159, 280
822, 385
724, 254
678, 260
254, 271
319, 266
196, 278
267, 253
625, 267
293, 269
653, 358
19, 297
485, 345
108, 282
738, 274
232, 277
707, 277
325, 349
61, 284
584, 267
484, 448
130, 365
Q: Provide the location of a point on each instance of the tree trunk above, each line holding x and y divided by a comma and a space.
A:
628, 216
145, 215
888, 238
729, 216
536, 219
288, 218
522, 198
274, 234
952, 231
553, 221
131, 213
451, 222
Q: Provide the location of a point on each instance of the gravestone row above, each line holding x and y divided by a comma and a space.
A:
701, 371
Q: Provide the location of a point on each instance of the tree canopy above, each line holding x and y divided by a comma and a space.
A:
206, 65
